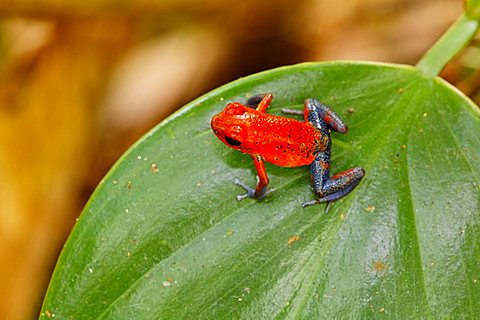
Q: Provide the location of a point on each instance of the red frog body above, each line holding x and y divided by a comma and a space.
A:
286, 142
282, 141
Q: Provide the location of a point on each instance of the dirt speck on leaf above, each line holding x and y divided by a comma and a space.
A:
292, 239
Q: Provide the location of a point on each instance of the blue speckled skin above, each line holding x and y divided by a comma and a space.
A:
328, 188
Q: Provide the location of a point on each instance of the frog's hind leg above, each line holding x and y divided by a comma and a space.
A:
329, 117
330, 189
313, 110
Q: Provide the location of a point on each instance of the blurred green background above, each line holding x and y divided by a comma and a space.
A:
81, 81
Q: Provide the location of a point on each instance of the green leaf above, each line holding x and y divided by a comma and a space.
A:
175, 244
472, 8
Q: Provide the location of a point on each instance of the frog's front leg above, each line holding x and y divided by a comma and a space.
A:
328, 188
261, 190
260, 102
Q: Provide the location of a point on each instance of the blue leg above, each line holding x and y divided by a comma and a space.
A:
319, 111
329, 117
328, 188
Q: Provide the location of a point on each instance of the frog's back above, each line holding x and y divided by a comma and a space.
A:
284, 141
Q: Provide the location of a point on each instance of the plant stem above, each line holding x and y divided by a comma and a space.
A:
448, 46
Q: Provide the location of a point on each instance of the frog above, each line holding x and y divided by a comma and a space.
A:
286, 142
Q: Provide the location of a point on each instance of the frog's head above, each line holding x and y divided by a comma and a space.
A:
230, 125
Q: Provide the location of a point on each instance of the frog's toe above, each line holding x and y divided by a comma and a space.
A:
292, 111
243, 185
250, 191
316, 201
243, 196
309, 203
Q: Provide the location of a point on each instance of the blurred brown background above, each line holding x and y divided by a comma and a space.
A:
81, 81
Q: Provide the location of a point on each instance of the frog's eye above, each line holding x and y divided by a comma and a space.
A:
232, 142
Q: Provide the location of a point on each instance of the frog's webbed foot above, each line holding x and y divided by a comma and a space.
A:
251, 192
260, 190
335, 187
